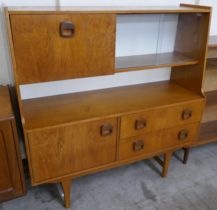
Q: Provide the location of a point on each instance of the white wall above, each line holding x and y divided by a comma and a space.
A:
69, 85
213, 4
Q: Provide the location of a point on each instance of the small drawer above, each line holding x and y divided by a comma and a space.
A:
162, 118
157, 141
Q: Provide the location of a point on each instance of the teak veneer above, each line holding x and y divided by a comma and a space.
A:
75, 134
11, 170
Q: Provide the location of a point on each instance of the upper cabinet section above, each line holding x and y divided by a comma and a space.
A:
64, 43
57, 47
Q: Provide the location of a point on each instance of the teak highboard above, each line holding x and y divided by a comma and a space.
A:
75, 134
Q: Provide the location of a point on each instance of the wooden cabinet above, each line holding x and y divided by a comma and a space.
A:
76, 134
11, 172
63, 46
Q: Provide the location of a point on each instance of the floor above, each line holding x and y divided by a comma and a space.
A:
136, 187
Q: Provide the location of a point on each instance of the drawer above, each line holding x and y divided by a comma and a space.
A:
58, 151
157, 119
157, 141
51, 47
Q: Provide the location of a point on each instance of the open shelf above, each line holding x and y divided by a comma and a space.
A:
210, 112
210, 79
212, 52
53, 110
208, 133
211, 99
159, 60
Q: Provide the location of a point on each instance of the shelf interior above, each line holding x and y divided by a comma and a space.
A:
210, 79
148, 61
210, 112
157, 41
211, 98
212, 50
53, 110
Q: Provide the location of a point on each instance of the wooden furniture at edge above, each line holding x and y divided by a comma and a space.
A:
208, 127
11, 171
70, 135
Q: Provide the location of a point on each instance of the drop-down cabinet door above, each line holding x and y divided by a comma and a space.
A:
51, 47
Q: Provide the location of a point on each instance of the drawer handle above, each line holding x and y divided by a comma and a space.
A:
186, 114
106, 130
67, 29
140, 124
138, 145
183, 134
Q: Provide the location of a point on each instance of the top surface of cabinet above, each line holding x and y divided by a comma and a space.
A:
183, 8
5, 104
112, 102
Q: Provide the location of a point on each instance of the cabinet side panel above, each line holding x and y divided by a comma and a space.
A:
191, 40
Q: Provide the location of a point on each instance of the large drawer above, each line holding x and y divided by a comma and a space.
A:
157, 141
162, 118
58, 151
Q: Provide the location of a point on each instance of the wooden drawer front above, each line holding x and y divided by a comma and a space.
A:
59, 151
157, 141
154, 120
54, 47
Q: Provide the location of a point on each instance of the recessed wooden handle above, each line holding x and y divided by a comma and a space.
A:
138, 145
140, 124
67, 29
183, 134
106, 130
186, 114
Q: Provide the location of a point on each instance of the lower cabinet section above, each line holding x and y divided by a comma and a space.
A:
157, 141
55, 152
62, 150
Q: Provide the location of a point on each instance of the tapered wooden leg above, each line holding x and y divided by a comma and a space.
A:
166, 163
186, 155
66, 186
